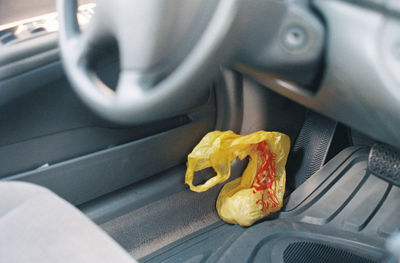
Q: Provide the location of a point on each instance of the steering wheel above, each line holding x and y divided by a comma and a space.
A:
170, 49
166, 49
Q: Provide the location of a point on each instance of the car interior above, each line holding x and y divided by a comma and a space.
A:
102, 101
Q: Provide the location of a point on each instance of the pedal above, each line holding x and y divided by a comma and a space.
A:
384, 162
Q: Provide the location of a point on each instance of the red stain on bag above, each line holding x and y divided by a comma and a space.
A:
265, 178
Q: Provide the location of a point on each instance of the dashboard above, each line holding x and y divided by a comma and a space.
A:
359, 86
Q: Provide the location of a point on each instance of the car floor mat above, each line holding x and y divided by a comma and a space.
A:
343, 212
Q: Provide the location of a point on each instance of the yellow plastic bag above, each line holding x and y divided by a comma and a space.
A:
259, 191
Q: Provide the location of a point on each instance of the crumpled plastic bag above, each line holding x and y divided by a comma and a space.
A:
259, 191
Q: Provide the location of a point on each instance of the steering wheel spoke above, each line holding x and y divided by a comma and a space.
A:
130, 87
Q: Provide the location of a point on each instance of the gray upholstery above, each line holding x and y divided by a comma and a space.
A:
38, 226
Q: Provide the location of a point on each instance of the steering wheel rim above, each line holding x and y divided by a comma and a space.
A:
133, 103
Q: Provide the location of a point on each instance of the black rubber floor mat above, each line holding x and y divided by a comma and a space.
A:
342, 206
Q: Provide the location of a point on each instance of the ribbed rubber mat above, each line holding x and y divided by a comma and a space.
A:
309, 252
343, 213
